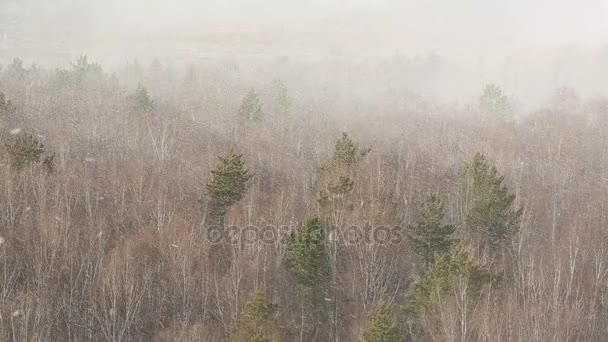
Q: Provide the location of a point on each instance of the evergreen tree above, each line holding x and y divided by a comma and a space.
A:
281, 98
493, 217
382, 327
80, 71
308, 263
254, 323
347, 152
15, 70
439, 279
251, 107
141, 99
306, 257
230, 179
28, 150
493, 102
336, 176
81, 67
6, 106
430, 236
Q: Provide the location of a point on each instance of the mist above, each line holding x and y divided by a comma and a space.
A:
530, 48
322, 170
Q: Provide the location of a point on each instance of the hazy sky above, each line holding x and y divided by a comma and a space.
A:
440, 25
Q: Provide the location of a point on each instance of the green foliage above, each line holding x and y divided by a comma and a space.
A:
430, 236
493, 102
347, 152
346, 155
230, 179
79, 71
336, 176
253, 323
281, 98
306, 256
6, 106
382, 327
440, 278
82, 66
493, 217
141, 100
27, 149
342, 186
251, 107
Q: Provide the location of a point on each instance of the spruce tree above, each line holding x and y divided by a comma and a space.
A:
229, 181
336, 176
382, 327
81, 69
6, 106
442, 275
251, 107
15, 70
493, 218
493, 102
431, 236
347, 152
141, 100
282, 100
254, 323
306, 256
28, 149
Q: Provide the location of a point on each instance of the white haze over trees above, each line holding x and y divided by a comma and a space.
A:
322, 170
528, 47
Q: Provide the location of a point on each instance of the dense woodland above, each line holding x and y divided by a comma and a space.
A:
267, 202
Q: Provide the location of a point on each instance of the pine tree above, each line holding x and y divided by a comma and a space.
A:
26, 150
281, 98
336, 176
6, 106
306, 257
442, 275
493, 102
15, 70
493, 218
382, 327
347, 152
230, 179
251, 107
81, 68
254, 324
430, 236
80, 71
141, 99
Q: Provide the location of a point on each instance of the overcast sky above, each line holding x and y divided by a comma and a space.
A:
440, 25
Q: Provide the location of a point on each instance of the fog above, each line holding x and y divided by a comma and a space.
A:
445, 26
322, 170
528, 47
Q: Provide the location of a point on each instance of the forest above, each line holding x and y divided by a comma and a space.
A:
283, 200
